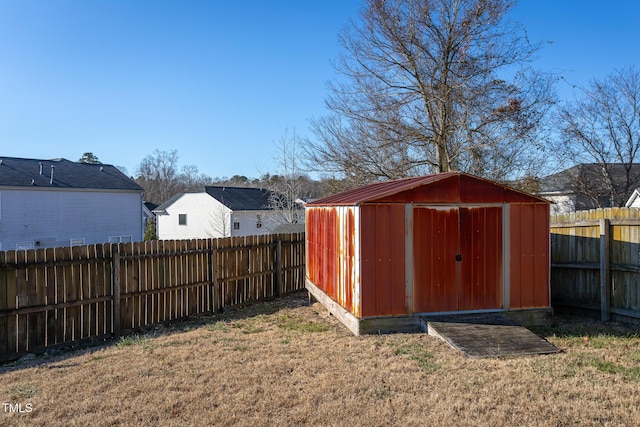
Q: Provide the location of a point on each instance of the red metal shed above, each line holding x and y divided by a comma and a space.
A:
381, 256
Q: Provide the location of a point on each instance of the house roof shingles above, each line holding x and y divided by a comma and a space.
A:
18, 172
586, 175
240, 198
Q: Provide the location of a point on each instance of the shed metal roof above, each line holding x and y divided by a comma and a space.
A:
62, 173
380, 190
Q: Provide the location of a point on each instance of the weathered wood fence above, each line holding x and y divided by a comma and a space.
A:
595, 262
59, 296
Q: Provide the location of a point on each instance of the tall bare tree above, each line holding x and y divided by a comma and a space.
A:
219, 223
431, 86
159, 175
602, 129
290, 184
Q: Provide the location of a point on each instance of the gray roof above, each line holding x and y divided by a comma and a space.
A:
35, 173
572, 179
151, 206
240, 198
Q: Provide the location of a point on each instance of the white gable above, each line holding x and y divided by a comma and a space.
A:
194, 216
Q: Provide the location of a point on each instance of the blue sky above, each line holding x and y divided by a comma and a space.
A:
220, 81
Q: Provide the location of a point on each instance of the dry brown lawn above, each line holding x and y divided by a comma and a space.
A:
286, 363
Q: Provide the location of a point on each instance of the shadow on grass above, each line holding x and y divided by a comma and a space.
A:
54, 356
571, 326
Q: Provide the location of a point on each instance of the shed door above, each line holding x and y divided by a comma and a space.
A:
457, 258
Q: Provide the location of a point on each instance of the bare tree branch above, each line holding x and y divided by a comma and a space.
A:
603, 128
423, 90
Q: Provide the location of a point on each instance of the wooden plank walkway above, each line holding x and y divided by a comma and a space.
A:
487, 335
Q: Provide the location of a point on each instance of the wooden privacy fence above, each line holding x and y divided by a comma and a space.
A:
595, 262
53, 297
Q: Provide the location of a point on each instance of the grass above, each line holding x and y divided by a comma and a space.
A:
139, 340
286, 363
21, 392
418, 354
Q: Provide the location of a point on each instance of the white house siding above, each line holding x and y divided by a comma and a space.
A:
633, 202
52, 217
248, 222
206, 218
561, 203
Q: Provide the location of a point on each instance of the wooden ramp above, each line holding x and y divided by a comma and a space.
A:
487, 335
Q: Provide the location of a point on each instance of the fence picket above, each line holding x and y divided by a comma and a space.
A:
4, 305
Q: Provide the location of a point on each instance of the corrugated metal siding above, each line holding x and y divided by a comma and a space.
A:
378, 189
443, 282
481, 265
332, 252
357, 254
435, 246
529, 266
382, 259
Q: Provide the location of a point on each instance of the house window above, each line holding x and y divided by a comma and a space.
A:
76, 242
236, 224
182, 219
119, 239
258, 221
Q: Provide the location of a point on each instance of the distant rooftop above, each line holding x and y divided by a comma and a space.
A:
241, 198
586, 175
62, 173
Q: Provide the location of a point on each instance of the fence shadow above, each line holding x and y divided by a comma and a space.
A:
63, 357
57, 297
572, 326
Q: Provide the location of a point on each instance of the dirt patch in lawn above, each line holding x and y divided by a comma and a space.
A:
287, 363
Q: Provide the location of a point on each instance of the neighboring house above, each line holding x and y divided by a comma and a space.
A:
634, 200
51, 203
584, 187
217, 212
147, 213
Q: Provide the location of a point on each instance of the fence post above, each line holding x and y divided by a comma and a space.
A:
214, 278
115, 268
279, 268
605, 273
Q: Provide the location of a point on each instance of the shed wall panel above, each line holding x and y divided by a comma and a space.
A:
435, 246
458, 189
446, 191
382, 280
330, 235
529, 241
542, 268
481, 265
